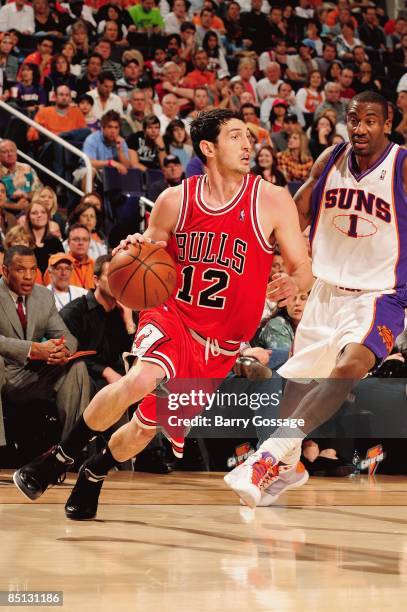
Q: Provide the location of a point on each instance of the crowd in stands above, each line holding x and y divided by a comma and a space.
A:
123, 79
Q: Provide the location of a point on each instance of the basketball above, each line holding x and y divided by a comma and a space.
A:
142, 276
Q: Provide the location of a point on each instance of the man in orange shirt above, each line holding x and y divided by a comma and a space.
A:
66, 121
42, 57
200, 77
78, 243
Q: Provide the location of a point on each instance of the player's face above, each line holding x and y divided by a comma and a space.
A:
367, 128
232, 151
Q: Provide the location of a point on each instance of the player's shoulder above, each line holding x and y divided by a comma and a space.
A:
267, 190
171, 196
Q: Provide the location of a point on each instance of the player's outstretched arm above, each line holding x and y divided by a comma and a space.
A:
303, 196
163, 220
278, 214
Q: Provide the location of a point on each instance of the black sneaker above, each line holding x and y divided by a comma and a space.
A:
82, 504
48, 469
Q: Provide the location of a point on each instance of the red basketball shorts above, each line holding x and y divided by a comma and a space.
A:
163, 339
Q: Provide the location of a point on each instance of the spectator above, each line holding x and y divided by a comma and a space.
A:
332, 100
113, 12
89, 80
200, 76
366, 81
7, 219
78, 245
266, 167
328, 56
60, 267
277, 54
250, 117
310, 97
170, 111
89, 216
256, 28
17, 235
48, 198
334, 72
322, 134
61, 75
175, 139
279, 109
146, 18
346, 42
371, 35
173, 173
346, 81
106, 148
136, 111
101, 324
104, 48
18, 16
113, 33
129, 81
304, 11
85, 105
78, 10
359, 57
19, 179
104, 98
234, 32
300, 66
268, 87
215, 23
285, 92
173, 83
178, 15
8, 62
402, 106
147, 147
245, 70
340, 128
80, 40
45, 20
280, 139
36, 343
312, 38
27, 94
42, 57
216, 55
188, 41
59, 118
37, 226
399, 63
279, 331
295, 163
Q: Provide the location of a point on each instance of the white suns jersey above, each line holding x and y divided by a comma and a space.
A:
359, 222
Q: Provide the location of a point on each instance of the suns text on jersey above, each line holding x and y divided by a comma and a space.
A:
210, 248
358, 200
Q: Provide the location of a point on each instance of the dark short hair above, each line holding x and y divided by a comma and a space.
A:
106, 75
97, 55
76, 226
13, 251
150, 120
99, 263
371, 97
86, 98
187, 25
110, 116
207, 126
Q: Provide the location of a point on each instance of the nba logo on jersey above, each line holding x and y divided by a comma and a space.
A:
383, 174
241, 216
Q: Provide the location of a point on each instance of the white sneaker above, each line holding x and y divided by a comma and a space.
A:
249, 479
290, 479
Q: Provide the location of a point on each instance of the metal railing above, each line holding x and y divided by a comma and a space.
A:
58, 140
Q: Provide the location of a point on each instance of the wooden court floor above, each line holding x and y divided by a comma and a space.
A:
182, 543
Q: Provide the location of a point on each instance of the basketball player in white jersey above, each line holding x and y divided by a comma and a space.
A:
356, 204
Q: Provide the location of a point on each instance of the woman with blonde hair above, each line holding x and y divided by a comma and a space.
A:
37, 226
295, 162
80, 38
48, 198
245, 70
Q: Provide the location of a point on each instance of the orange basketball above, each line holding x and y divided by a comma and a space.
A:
142, 276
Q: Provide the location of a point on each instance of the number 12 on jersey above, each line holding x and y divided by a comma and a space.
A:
209, 297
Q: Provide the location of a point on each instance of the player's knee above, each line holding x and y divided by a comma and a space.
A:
351, 369
141, 434
138, 384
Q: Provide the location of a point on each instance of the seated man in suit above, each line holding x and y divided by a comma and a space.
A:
31, 367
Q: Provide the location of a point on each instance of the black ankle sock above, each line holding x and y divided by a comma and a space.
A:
77, 438
101, 463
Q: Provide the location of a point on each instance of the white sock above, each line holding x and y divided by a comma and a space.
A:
284, 443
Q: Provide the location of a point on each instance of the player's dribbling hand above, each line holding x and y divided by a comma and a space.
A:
281, 289
134, 239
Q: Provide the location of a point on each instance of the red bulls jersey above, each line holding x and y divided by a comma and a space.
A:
223, 261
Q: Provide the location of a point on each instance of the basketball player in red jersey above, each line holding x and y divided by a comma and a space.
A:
218, 228
356, 204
